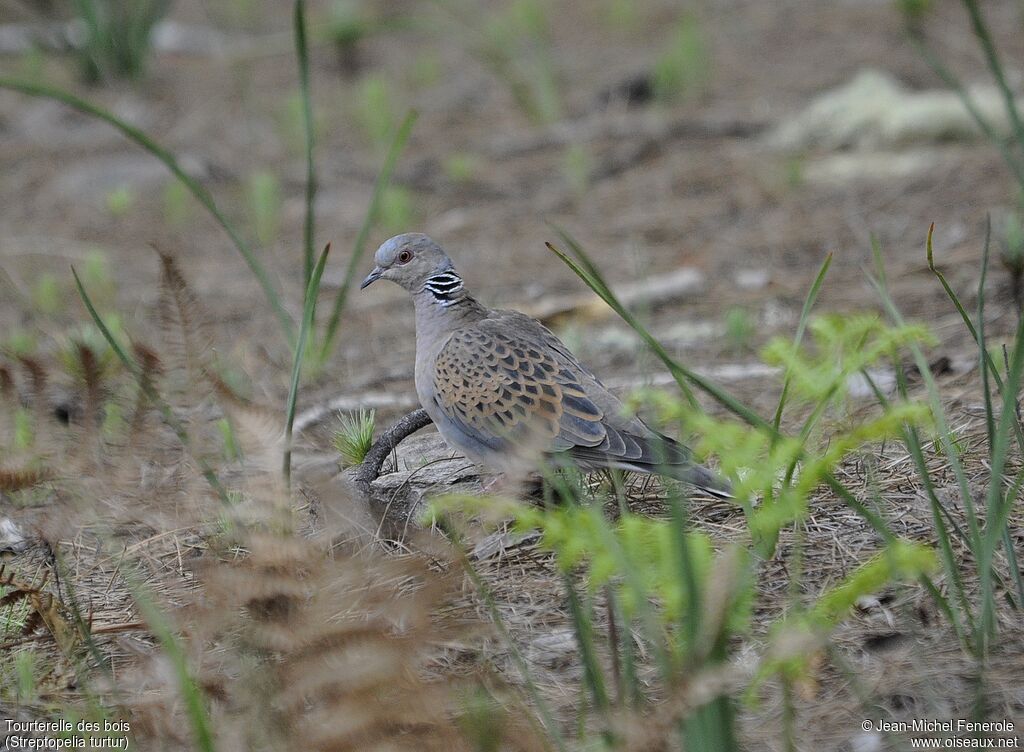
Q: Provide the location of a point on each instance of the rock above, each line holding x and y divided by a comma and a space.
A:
840, 169
11, 538
752, 279
426, 468
423, 447
875, 111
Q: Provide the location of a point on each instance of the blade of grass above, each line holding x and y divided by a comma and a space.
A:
302, 56
995, 66
940, 69
911, 440
998, 503
151, 393
812, 296
547, 719
686, 569
680, 373
588, 272
195, 188
935, 403
989, 368
191, 694
645, 613
583, 626
985, 364
592, 278
869, 515
305, 328
960, 308
383, 180
629, 692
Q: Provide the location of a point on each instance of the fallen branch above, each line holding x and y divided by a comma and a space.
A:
369, 469
629, 126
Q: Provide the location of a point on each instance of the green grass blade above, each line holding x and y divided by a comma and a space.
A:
935, 403
939, 414
812, 296
308, 309
951, 614
629, 689
191, 694
195, 188
680, 373
989, 368
995, 66
940, 515
165, 410
302, 56
968, 322
590, 275
1008, 546
851, 501
546, 716
687, 572
383, 180
587, 271
583, 626
940, 69
984, 363
998, 502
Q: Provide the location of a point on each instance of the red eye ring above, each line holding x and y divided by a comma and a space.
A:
404, 257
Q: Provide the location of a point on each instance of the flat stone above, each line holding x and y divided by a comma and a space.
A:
426, 468
11, 538
875, 111
424, 447
752, 279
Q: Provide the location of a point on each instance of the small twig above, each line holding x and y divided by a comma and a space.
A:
385, 444
600, 127
103, 629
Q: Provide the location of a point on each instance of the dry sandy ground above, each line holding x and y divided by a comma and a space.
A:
686, 185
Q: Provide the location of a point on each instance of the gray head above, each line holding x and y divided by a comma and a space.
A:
409, 260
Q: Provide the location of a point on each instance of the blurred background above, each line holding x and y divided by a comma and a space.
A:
737, 142
709, 155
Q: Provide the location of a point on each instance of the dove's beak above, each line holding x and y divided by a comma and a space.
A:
371, 277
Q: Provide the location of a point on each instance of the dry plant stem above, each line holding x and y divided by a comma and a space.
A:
165, 409
302, 54
369, 469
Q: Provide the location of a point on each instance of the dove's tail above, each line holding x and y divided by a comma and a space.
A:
659, 455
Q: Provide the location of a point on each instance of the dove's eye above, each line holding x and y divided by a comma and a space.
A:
405, 257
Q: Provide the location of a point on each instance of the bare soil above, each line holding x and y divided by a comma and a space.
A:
686, 184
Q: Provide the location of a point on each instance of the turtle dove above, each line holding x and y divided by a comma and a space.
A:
506, 392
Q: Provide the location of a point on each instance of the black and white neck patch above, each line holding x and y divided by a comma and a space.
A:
444, 286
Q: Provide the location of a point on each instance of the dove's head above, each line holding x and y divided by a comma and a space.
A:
408, 260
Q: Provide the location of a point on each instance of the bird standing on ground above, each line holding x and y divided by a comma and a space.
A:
505, 391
